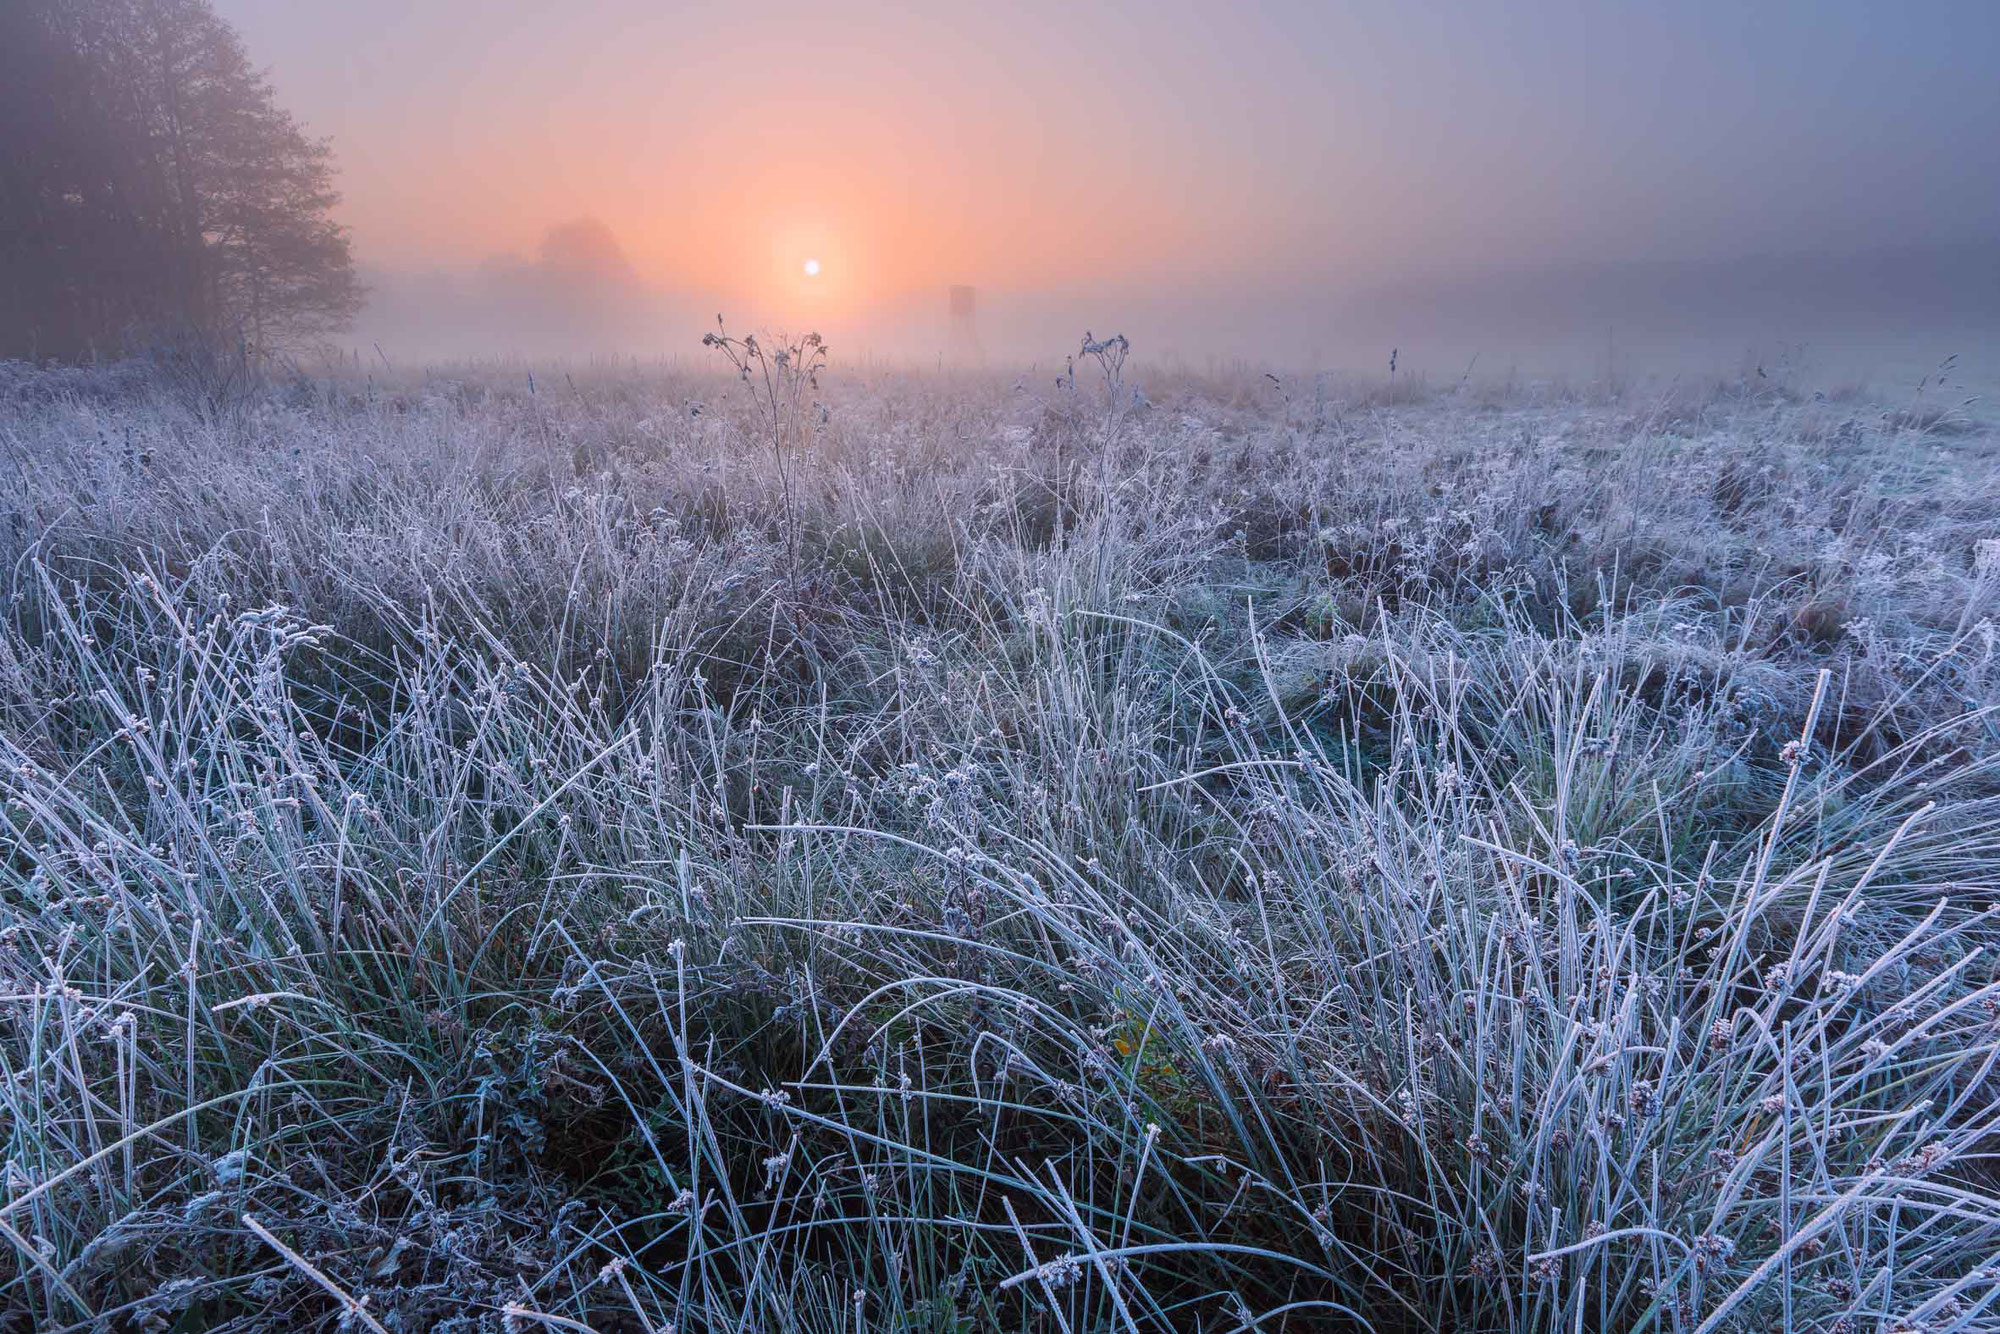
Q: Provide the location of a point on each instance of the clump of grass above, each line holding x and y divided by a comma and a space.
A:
780, 381
1421, 878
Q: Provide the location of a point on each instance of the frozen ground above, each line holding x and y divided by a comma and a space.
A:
958, 853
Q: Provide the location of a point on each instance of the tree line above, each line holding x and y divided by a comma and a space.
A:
151, 188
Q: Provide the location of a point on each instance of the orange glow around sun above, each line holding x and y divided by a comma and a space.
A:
896, 152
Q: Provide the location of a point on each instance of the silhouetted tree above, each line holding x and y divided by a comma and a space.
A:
585, 250
150, 183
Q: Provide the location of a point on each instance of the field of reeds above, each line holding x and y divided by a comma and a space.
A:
801, 850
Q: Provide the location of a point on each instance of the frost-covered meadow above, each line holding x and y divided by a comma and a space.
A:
633, 850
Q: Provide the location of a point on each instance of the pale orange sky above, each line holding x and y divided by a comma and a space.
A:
1123, 146
903, 148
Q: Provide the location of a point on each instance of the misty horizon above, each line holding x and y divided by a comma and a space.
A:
1689, 314
1214, 183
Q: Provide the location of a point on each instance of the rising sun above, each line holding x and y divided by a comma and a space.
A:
812, 268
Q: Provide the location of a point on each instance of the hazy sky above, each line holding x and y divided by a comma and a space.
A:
1033, 147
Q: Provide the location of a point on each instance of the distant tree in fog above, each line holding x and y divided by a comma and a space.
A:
585, 250
150, 184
